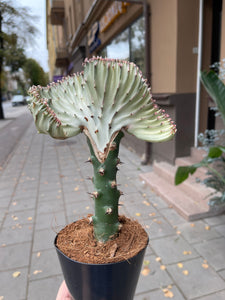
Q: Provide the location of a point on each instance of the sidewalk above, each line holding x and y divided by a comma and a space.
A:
43, 187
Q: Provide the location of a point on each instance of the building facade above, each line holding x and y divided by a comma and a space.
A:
170, 40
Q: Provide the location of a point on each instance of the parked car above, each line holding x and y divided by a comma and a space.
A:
18, 100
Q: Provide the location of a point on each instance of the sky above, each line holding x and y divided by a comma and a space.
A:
38, 50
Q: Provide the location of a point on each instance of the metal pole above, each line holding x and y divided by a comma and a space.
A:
198, 87
147, 67
1, 64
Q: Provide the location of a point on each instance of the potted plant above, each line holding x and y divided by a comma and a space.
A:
107, 98
214, 161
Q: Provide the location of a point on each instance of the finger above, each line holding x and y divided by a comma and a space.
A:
63, 293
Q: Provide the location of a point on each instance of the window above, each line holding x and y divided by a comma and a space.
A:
129, 44
137, 43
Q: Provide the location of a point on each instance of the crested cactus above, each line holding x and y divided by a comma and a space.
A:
107, 97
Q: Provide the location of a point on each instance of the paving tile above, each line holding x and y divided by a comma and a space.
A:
44, 264
158, 202
44, 289
128, 187
199, 282
218, 220
68, 178
72, 197
159, 294
44, 239
21, 204
208, 249
50, 195
21, 234
77, 188
70, 175
55, 221
4, 184
74, 218
158, 227
222, 274
221, 229
173, 249
26, 194
172, 216
46, 186
131, 199
27, 184
123, 179
2, 215
7, 192
216, 296
79, 209
15, 256
156, 279
50, 206
197, 231
5, 201
142, 209
19, 217
148, 250
13, 288
122, 210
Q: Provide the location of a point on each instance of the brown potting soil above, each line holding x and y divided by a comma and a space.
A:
77, 242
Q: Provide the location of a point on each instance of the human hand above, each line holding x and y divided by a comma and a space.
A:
63, 293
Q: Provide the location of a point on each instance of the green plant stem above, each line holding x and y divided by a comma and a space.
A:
106, 195
216, 173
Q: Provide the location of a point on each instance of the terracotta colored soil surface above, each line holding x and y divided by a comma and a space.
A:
77, 242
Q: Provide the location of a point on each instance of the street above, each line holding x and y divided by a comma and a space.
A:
13, 112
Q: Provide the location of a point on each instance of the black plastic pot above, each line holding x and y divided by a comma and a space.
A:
114, 281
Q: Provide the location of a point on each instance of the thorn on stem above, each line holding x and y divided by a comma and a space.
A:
101, 171
109, 211
89, 160
94, 194
113, 184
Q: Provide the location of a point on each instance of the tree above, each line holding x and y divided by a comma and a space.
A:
13, 38
14, 55
34, 73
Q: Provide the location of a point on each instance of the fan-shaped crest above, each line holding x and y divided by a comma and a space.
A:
109, 95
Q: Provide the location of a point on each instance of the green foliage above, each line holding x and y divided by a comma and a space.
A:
34, 72
14, 55
183, 173
214, 161
17, 29
216, 152
216, 89
215, 165
18, 21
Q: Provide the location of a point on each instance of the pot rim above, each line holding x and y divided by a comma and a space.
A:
91, 264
